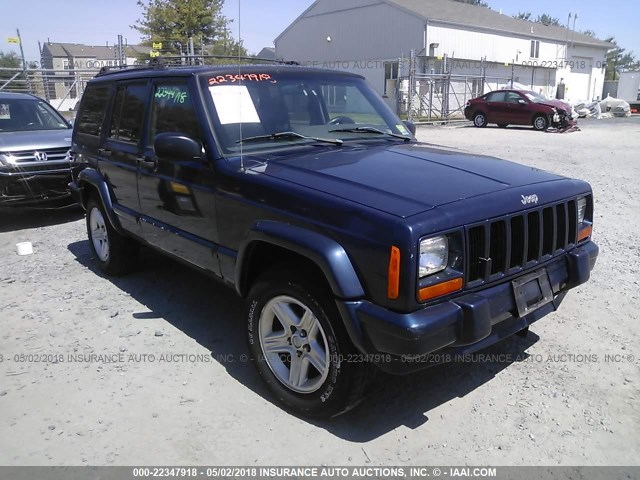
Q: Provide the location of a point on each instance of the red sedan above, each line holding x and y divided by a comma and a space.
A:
517, 107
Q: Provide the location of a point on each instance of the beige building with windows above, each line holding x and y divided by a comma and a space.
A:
75, 63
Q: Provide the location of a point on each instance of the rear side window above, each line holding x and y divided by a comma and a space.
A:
94, 107
173, 111
128, 113
495, 97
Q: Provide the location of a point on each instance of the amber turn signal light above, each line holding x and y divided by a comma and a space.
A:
585, 233
440, 289
393, 289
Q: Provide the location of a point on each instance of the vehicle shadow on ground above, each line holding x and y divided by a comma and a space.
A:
12, 219
510, 127
212, 314
395, 401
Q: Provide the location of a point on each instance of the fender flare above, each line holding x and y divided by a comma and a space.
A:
94, 178
326, 253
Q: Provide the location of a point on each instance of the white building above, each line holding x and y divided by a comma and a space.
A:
371, 36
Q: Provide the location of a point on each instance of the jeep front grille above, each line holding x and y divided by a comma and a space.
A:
500, 247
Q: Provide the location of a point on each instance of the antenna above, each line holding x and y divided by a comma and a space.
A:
240, 77
575, 17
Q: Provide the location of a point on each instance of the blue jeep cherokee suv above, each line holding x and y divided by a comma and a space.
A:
354, 245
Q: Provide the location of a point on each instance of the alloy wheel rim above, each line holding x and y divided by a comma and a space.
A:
99, 236
294, 344
540, 123
479, 120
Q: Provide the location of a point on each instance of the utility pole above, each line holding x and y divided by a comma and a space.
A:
513, 66
45, 75
24, 62
191, 51
120, 57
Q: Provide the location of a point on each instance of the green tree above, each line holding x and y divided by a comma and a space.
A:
618, 59
523, 16
10, 60
589, 33
546, 19
173, 22
479, 3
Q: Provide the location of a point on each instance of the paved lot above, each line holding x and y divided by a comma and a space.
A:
149, 368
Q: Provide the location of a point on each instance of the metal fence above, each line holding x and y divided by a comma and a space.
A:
441, 95
63, 89
428, 97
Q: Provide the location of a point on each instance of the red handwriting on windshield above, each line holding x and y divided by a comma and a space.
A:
246, 77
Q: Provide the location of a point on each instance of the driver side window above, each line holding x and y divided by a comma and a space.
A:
173, 111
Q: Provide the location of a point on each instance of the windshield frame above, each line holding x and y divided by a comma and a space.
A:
34, 103
307, 77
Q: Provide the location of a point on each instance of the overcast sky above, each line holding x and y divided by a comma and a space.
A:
95, 23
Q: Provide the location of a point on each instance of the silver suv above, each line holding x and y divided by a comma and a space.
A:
34, 141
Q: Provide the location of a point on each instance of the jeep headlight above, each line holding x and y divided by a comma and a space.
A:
582, 209
434, 256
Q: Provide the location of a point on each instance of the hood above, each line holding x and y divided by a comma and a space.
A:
35, 140
402, 180
556, 104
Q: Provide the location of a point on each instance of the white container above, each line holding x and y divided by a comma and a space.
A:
24, 248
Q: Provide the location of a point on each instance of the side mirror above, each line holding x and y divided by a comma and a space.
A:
522, 102
177, 146
410, 126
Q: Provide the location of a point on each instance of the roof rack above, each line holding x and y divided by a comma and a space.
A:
110, 69
164, 62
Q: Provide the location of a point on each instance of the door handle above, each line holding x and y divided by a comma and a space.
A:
147, 162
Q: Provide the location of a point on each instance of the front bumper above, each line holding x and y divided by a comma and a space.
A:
464, 324
26, 188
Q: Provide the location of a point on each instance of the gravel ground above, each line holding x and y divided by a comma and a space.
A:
568, 394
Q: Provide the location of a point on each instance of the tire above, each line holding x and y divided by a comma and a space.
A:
116, 254
503, 125
540, 123
287, 315
480, 120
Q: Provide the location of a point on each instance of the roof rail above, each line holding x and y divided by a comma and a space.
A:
197, 59
166, 62
110, 69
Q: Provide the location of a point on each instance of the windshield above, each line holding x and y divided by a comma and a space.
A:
19, 115
535, 97
258, 111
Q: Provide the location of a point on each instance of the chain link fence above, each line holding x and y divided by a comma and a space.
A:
63, 89
441, 96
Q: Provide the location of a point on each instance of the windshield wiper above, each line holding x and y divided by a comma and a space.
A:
279, 135
370, 130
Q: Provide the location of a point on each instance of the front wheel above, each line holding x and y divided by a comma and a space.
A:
300, 348
115, 253
480, 120
541, 122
